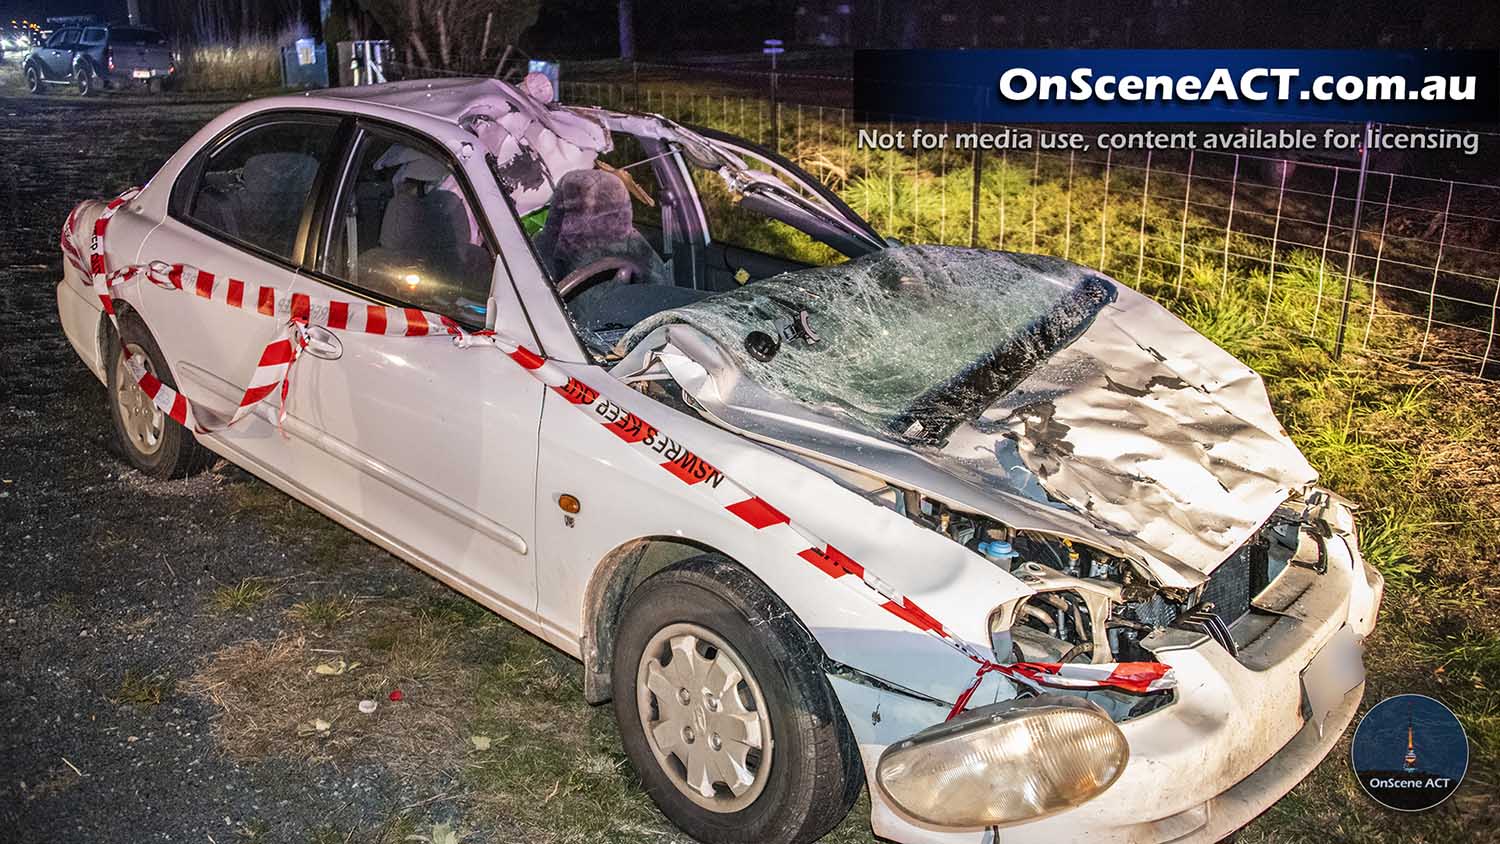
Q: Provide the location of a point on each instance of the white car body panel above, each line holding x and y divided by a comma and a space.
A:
454, 459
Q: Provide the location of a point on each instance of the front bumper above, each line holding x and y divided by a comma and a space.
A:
1241, 733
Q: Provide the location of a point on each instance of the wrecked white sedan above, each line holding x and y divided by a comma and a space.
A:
992, 533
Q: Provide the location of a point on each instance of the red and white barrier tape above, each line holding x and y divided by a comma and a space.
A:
299, 311
679, 461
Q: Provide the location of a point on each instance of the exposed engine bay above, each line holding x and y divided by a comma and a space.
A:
1091, 606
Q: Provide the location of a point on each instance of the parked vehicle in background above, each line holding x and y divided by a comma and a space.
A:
95, 57
14, 39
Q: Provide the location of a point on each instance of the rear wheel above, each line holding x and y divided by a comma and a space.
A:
86, 80
730, 725
34, 82
151, 441
155, 86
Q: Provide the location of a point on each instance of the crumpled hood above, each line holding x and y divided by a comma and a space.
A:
1147, 429
1113, 423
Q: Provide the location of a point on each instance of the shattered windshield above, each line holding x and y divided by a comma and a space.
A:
906, 341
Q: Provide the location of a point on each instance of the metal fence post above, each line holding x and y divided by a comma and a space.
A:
1234, 184
1187, 193
775, 115
1359, 202
1004, 166
635, 81
1390, 187
1068, 211
1104, 210
1140, 255
1275, 243
1333, 198
975, 181
1437, 266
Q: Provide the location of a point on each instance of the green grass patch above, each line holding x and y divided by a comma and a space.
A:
248, 593
143, 689
326, 612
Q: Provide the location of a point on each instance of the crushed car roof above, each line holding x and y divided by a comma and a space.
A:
533, 142
447, 99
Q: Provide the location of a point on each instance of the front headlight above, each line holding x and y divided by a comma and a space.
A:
1005, 763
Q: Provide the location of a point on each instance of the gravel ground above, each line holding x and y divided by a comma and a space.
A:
105, 576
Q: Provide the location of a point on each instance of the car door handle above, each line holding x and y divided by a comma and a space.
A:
322, 343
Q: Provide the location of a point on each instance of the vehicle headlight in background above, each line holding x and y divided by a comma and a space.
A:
1005, 763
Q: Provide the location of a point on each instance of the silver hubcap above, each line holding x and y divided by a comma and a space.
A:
704, 717
142, 421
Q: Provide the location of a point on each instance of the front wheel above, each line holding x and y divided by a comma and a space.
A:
34, 82
729, 723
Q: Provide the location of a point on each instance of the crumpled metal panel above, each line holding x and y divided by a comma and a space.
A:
1147, 429
533, 142
1140, 437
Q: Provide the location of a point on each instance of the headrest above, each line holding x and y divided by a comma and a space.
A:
591, 204
279, 172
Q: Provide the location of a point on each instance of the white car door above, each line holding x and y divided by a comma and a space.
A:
427, 446
239, 212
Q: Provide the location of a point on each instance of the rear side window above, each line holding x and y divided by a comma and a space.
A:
93, 35
66, 38
255, 188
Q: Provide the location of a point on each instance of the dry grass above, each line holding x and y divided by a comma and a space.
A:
248, 66
272, 699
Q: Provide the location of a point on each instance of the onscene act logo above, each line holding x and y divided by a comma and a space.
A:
1410, 753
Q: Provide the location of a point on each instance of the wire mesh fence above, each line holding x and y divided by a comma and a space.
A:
1417, 274
1408, 268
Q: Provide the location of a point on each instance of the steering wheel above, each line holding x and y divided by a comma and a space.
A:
626, 269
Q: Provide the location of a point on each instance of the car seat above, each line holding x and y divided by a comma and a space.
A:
268, 206
263, 206
426, 230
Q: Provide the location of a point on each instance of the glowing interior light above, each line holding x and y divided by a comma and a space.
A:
412, 279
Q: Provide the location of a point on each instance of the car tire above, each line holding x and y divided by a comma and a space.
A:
803, 776
86, 80
152, 442
155, 86
34, 82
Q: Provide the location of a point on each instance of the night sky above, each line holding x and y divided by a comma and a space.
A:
588, 27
